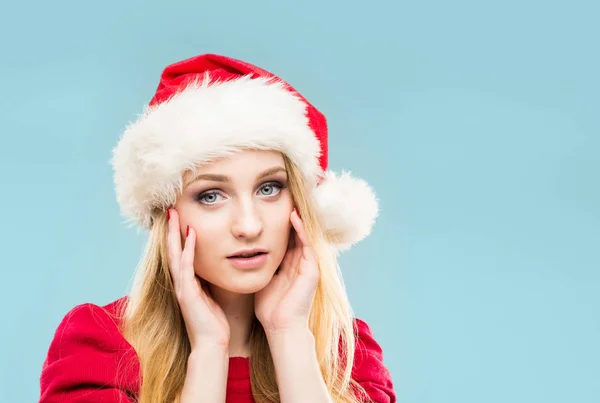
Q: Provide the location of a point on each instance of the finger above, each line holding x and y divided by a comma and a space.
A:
292, 252
290, 263
187, 273
299, 227
304, 288
301, 236
174, 246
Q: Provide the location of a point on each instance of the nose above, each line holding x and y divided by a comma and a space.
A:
247, 222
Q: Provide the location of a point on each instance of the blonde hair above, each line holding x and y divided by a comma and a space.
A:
152, 322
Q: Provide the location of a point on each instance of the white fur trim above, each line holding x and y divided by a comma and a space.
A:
347, 207
203, 122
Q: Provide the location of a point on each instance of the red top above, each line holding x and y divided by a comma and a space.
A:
89, 361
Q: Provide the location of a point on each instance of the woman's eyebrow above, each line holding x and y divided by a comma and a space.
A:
225, 178
270, 171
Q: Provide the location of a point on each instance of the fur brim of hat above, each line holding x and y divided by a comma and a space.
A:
206, 121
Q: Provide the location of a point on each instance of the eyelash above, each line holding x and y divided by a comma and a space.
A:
275, 184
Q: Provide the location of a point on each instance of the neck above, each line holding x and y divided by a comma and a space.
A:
239, 311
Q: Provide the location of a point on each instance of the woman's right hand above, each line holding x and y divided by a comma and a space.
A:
205, 321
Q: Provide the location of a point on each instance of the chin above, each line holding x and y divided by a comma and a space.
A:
246, 282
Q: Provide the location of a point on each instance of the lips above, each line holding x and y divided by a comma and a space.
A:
247, 253
248, 259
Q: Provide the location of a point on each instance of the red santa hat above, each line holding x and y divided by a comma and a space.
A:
210, 106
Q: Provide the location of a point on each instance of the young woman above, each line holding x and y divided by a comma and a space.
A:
239, 296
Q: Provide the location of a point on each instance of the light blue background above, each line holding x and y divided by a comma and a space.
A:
476, 122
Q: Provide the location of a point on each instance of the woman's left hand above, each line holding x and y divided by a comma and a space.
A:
285, 303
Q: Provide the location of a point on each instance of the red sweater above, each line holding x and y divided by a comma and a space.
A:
89, 361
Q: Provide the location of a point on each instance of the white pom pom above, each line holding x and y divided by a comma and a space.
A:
347, 208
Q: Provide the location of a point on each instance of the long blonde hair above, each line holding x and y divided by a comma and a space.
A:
152, 322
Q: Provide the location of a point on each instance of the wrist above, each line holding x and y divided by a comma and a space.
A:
206, 351
201, 383
293, 338
297, 369
208, 344
292, 328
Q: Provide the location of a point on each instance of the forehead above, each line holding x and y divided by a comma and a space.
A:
243, 164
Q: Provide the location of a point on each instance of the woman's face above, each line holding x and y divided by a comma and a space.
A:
239, 204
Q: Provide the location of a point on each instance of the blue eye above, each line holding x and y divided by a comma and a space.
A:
270, 189
212, 197
208, 197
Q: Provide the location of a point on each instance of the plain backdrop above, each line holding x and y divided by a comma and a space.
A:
476, 122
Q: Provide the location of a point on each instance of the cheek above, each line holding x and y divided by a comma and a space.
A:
209, 235
281, 227
209, 227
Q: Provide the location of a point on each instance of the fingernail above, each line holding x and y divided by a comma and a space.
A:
168, 214
187, 231
297, 212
